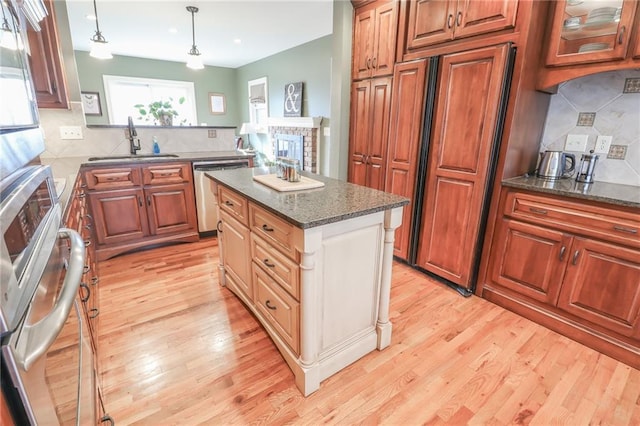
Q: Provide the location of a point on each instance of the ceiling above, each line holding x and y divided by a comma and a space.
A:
142, 28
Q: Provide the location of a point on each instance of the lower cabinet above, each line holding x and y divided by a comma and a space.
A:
581, 281
139, 205
321, 293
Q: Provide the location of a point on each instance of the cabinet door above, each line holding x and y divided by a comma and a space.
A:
602, 286
171, 208
461, 142
236, 244
384, 46
379, 134
46, 63
430, 22
587, 32
484, 16
363, 40
359, 132
405, 132
119, 215
530, 260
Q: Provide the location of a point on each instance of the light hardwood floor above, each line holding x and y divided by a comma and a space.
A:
176, 348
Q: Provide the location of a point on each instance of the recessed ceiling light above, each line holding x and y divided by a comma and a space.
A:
173, 30
91, 17
237, 41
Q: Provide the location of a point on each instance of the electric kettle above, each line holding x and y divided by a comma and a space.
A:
556, 165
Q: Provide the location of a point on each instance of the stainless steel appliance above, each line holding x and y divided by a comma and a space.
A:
587, 168
206, 206
556, 165
48, 372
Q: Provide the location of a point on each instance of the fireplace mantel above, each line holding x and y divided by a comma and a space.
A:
302, 122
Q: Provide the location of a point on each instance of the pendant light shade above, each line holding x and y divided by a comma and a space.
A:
99, 47
194, 61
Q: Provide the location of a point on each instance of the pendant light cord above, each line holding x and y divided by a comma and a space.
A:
194, 49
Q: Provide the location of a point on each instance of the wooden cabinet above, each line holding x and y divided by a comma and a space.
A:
407, 109
321, 292
583, 33
370, 109
574, 267
46, 63
432, 22
138, 205
374, 36
463, 139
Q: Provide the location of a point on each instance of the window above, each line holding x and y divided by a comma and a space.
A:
258, 102
122, 93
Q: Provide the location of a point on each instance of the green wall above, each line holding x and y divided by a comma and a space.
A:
309, 63
209, 79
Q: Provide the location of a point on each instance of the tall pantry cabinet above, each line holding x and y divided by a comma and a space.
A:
375, 29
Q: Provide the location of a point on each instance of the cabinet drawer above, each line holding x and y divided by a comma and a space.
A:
234, 204
279, 267
112, 178
272, 229
279, 309
605, 223
166, 173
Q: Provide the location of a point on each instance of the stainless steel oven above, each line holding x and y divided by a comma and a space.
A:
48, 374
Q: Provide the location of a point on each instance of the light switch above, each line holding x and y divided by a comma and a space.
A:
576, 143
70, 132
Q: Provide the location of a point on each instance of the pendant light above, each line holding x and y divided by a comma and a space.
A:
99, 48
194, 61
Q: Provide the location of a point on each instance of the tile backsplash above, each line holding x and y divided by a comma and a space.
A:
602, 98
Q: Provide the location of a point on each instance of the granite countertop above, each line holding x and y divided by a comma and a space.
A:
612, 193
334, 202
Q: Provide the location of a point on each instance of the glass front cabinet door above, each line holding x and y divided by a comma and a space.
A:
585, 31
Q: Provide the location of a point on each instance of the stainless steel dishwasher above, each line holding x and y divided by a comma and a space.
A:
205, 201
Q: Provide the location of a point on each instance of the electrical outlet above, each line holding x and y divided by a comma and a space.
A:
70, 132
576, 143
212, 133
602, 144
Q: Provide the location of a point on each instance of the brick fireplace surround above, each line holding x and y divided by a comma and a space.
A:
308, 128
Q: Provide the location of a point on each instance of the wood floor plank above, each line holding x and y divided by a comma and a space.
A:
176, 348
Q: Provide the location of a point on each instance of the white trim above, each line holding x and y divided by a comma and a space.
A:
304, 122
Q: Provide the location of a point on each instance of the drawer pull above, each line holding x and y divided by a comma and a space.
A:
166, 174
266, 228
86, 269
148, 200
87, 243
562, 251
269, 305
112, 178
449, 21
621, 35
218, 227
459, 19
82, 195
94, 280
139, 201
575, 257
269, 264
228, 203
625, 229
537, 211
93, 313
85, 287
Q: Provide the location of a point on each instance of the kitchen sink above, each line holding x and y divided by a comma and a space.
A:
132, 157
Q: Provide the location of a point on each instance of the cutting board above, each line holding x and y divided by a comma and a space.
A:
274, 182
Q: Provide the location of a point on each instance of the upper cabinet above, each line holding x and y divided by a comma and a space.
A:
436, 21
45, 61
591, 31
374, 36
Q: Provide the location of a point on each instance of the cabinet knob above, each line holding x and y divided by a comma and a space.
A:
269, 305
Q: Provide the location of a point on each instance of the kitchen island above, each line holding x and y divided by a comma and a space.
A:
314, 266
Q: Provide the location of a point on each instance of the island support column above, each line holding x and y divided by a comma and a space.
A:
392, 219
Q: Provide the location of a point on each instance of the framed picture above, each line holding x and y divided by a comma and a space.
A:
91, 103
293, 100
217, 104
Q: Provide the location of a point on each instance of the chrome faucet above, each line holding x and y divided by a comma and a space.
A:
132, 134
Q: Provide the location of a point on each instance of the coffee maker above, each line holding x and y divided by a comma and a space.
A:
587, 167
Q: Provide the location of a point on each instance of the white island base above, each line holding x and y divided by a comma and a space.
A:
344, 289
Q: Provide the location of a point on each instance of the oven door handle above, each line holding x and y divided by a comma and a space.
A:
40, 336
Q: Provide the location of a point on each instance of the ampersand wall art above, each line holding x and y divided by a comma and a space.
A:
293, 100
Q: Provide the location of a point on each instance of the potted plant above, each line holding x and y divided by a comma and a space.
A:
161, 112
